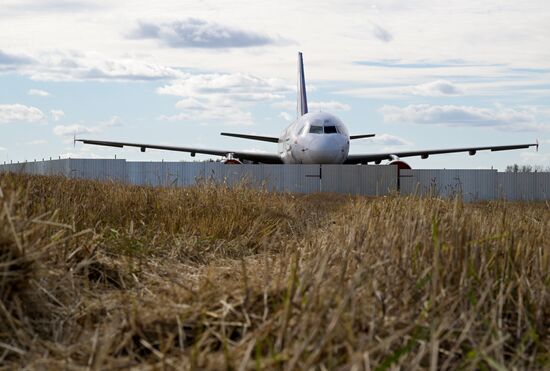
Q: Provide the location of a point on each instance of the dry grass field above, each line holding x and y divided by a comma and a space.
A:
107, 276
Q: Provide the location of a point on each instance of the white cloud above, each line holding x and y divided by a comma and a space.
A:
203, 112
80, 154
38, 92
534, 158
221, 97
11, 113
210, 109
436, 88
313, 106
123, 69
199, 33
328, 106
389, 140
500, 29
460, 116
57, 114
8, 60
54, 6
237, 86
75, 129
80, 66
114, 121
3, 149
381, 34
286, 116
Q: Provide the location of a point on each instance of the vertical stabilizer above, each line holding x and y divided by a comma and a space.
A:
302, 97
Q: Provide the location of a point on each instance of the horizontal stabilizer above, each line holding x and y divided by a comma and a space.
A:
361, 136
253, 137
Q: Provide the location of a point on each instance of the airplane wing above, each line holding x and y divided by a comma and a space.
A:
255, 157
378, 157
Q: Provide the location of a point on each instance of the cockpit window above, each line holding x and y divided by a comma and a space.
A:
330, 130
316, 129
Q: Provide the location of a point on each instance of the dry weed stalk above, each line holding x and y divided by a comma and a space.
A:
96, 275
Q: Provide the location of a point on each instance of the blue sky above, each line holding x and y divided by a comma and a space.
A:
420, 74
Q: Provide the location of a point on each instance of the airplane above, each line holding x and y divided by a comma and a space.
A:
313, 138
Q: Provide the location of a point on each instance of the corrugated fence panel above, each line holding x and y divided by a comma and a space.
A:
213, 172
20, 168
471, 184
133, 173
273, 178
56, 167
189, 172
192, 172
50, 167
249, 175
523, 186
477, 184
301, 178
59, 167
29, 168
153, 174
506, 186
104, 169
386, 180
359, 179
345, 179
542, 186
172, 174
164, 173
138, 173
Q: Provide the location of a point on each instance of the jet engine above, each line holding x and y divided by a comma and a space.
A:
231, 160
401, 165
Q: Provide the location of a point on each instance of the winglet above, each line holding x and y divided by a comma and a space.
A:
537, 145
74, 140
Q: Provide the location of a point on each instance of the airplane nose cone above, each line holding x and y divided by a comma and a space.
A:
327, 149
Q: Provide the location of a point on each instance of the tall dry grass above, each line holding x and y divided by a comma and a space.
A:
96, 275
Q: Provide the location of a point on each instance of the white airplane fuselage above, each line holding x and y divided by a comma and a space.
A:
315, 138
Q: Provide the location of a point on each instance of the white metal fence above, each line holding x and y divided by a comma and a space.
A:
476, 185
523, 186
344, 179
471, 184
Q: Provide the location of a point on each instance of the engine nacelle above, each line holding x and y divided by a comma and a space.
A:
231, 160
401, 165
